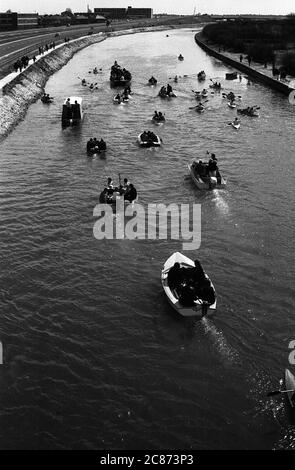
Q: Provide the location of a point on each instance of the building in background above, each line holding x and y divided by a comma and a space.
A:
136, 13
27, 20
8, 21
124, 13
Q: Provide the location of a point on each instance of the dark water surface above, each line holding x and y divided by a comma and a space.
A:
94, 357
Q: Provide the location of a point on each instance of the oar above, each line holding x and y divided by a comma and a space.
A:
277, 392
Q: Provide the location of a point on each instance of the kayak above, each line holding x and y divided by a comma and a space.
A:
173, 298
207, 182
204, 94
231, 105
236, 126
121, 100
200, 109
149, 143
290, 385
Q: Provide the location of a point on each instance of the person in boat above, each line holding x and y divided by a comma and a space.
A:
131, 193
118, 97
236, 121
169, 89
196, 274
176, 79
156, 116
212, 165
89, 145
110, 186
102, 145
127, 89
103, 196
174, 276
161, 116
187, 295
144, 136
126, 184
152, 137
76, 110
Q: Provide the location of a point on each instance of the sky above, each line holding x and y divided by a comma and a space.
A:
182, 7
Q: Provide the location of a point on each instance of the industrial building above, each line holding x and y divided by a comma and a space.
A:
124, 13
11, 21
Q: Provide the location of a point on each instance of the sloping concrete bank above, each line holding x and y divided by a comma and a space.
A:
28, 86
275, 84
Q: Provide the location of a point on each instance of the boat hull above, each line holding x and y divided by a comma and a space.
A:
194, 311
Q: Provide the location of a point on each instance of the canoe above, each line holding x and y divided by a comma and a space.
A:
196, 309
113, 198
121, 101
204, 94
290, 385
158, 121
207, 182
200, 109
236, 126
149, 143
171, 95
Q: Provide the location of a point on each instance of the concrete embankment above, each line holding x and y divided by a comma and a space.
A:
249, 71
27, 87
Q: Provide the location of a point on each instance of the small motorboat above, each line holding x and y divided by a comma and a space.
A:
152, 81
201, 76
198, 307
290, 385
150, 142
72, 113
236, 125
206, 182
231, 75
121, 99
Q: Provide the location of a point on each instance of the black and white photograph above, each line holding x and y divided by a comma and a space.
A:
147, 275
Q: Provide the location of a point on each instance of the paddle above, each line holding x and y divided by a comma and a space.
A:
200, 104
277, 392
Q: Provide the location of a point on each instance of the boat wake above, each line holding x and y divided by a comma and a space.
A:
220, 202
226, 353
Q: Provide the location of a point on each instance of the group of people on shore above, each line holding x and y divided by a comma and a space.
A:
118, 73
191, 284
95, 146
110, 192
22, 63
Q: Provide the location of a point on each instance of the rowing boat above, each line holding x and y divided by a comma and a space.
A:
235, 126
198, 308
207, 182
290, 385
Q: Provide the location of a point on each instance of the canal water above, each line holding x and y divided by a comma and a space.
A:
94, 356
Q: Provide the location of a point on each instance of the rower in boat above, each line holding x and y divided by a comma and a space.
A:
180, 57
152, 81
84, 83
